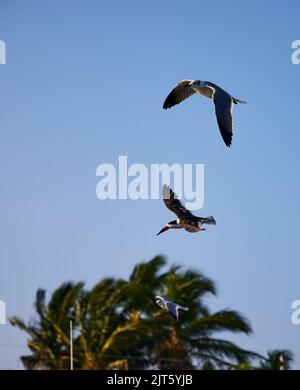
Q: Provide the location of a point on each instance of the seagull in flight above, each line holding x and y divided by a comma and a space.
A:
172, 307
223, 102
185, 219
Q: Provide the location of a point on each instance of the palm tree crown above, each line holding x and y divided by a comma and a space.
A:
118, 325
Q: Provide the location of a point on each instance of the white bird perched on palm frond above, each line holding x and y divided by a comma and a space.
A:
170, 306
223, 102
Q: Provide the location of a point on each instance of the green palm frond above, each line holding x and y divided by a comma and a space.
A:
224, 320
62, 302
222, 349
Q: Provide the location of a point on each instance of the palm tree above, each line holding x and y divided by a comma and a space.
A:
277, 359
118, 325
101, 333
105, 330
49, 341
189, 344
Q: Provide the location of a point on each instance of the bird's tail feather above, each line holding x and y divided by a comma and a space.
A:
183, 308
209, 220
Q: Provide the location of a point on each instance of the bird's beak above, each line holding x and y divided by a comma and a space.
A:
163, 229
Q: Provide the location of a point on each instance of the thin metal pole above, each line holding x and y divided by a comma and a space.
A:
71, 345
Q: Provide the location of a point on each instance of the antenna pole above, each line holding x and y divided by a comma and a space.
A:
71, 345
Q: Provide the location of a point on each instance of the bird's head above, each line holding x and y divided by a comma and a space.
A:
170, 225
159, 300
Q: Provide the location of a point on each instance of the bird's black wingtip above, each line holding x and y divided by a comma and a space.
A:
167, 192
228, 143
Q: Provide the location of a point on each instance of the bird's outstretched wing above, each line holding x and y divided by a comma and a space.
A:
223, 107
174, 204
172, 309
181, 92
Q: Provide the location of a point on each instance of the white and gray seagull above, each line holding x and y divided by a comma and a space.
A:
222, 100
185, 219
172, 307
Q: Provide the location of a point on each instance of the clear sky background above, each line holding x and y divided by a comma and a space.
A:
84, 83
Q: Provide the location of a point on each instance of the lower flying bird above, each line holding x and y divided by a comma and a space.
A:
170, 306
185, 219
222, 100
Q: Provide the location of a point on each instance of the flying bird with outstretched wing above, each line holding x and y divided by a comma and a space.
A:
171, 307
185, 219
223, 102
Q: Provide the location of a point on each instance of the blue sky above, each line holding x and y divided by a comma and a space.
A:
84, 83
